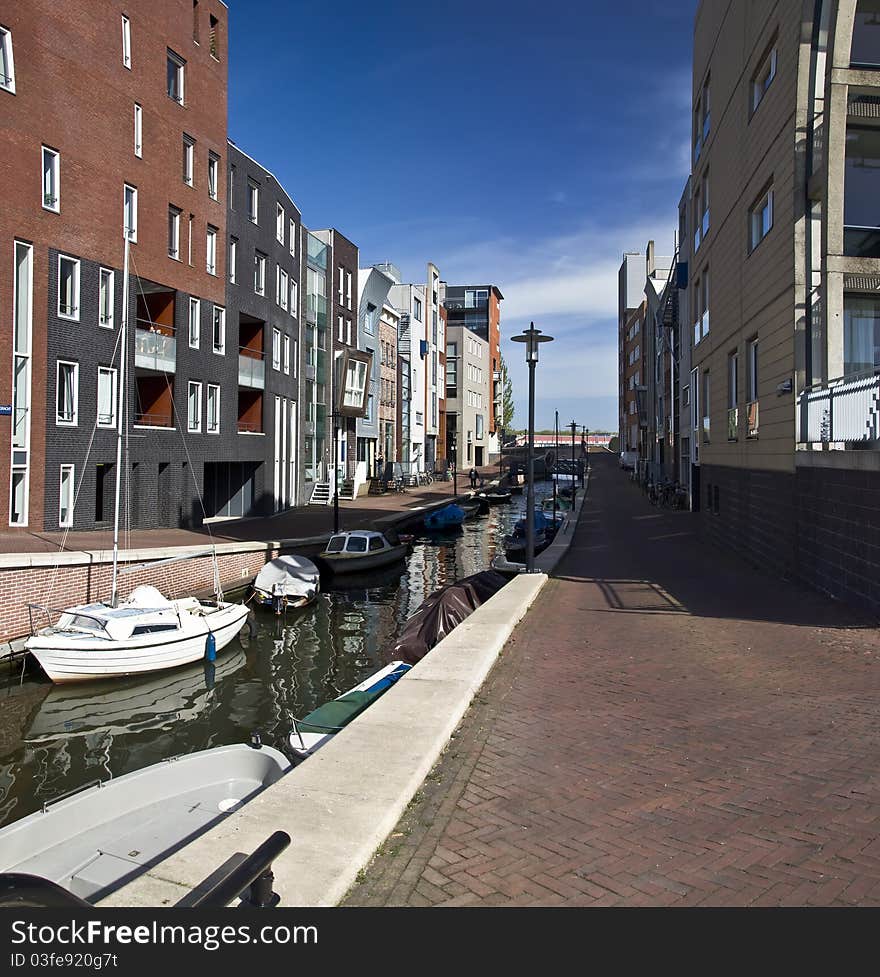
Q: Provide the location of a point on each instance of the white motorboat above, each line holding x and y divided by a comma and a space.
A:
146, 631
106, 834
321, 724
287, 581
360, 549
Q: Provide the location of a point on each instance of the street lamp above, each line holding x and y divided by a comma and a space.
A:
573, 425
532, 338
454, 465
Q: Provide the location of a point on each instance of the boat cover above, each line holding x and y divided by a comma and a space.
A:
450, 515
338, 713
442, 611
295, 574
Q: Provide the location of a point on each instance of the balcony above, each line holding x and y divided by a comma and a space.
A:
153, 420
843, 410
251, 369
752, 419
154, 350
732, 423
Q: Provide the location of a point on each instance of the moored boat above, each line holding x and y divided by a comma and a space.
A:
106, 834
358, 550
449, 515
288, 581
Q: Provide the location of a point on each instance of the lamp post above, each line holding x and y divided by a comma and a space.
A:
573, 425
455, 465
532, 338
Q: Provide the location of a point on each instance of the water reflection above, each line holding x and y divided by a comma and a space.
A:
57, 738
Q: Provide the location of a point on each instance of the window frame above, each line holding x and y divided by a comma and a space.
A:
259, 272
758, 88
194, 426
221, 351
174, 232
74, 421
76, 296
211, 249
194, 304
233, 260
130, 232
7, 82
55, 169
110, 275
279, 223
189, 160
213, 175
180, 64
114, 397
292, 242
126, 42
62, 523
285, 354
138, 130
253, 202
209, 428
276, 348
764, 200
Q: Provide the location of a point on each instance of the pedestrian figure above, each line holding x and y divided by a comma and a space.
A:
473, 478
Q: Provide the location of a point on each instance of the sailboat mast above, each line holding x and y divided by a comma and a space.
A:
120, 421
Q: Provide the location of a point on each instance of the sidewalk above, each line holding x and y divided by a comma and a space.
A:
666, 727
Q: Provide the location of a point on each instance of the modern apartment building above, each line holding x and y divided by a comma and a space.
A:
373, 289
264, 261
389, 324
468, 397
786, 139
146, 160
478, 308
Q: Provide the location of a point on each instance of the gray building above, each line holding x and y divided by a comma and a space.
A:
468, 377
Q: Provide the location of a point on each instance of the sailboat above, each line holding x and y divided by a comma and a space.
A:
144, 632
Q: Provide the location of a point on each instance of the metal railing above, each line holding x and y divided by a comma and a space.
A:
155, 350
153, 420
249, 427
845, 409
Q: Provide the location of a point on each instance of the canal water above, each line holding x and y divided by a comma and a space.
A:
55, 739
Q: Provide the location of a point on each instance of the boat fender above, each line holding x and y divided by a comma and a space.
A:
209, 675
256, 741
210, 647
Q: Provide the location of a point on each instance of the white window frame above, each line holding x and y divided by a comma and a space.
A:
109, 276
348, 287
114, 395
211, 250
276, 349
132, 231
763, 78
294, 298
174, 232
54, 157
189, 156
7, 83
756, 218
71, 495
194, 323
74, 315
74, 421
259, 273
285, 342
233, 260
279, 223
253, 202
752, 351
218, 316
417, 309
138, 130
213, 175
283, 288
292, 242
212, 426
340, 291
194, 424
126, 42
180, 63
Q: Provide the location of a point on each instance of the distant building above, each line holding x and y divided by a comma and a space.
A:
468, 397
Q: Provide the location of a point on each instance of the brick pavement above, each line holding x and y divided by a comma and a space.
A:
668, 726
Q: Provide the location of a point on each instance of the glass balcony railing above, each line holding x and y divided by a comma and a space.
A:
155, 351
251, 369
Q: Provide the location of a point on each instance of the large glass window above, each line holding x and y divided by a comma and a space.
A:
175, 76
195, 312
67, 393
865, 49
107, 396
51, 180
861, 200
861, 334
355, 382
194, 406
761, 219
213, 419
106, 298
66, 496
68, 287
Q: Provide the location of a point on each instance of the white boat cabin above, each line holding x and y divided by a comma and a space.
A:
357, 541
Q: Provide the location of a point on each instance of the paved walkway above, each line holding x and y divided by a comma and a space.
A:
666, 727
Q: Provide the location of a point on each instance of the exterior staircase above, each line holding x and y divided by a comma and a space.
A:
321, 494
346, 492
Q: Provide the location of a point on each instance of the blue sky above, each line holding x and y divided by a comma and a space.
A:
505, 142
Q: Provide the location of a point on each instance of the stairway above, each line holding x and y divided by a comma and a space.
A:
347, 490
320, 494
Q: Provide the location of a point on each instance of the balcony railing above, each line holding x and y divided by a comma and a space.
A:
250, 427
251, 369
153, 420
732, 423
155, 350
752, 419
846, 409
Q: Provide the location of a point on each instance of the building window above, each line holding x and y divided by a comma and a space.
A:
861, 232
213, 170
68, 287
763, 77
276, 349
107, 396
22, 319
213, 39
211, 262
760, 219
175, 76
702, 121
279, 223
7, 67
126, 42
698, 227
66, 496
195, 315
732, 394
218, 330
212, 421
174, 233
861, 334
704, 221
292, 242
294, 298
341, 285
188, 154
130, 212
106, 298
51, 180
67, 393
259, 273
340, 329
348, 288
479, 427
701, 304
194, 406
286, 345
865, 50
253, 202
704, 399
752, 372
230, 185
417, 309
370, 319
233, 259
282, 287
138, 130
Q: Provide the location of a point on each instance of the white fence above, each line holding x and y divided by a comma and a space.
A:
841, 410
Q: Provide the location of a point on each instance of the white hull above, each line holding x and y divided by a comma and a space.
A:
72, 657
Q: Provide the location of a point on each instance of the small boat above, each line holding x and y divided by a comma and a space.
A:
545, 530
104, 835
507, 568
449, 515
496, 496
563, 504
145, 632
472, 509
321, 724
359, 549
287, 582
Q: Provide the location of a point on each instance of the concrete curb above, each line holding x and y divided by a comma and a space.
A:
547, 561
341, 804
